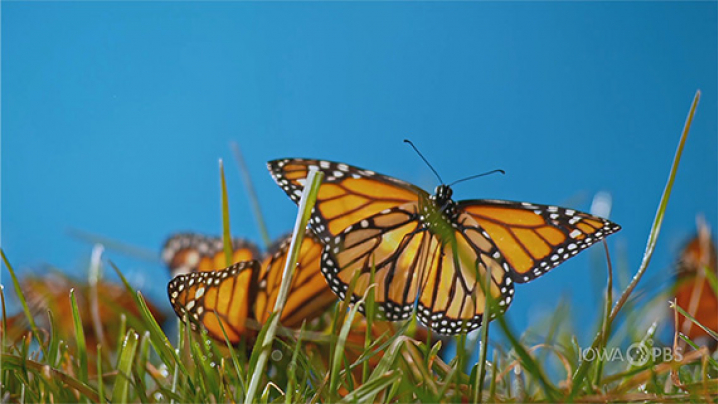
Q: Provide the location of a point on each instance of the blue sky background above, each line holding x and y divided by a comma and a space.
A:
114, 116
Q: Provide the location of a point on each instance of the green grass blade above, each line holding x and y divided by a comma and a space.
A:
383, 368
121, 390
339, 356
122, 331
53, 350
711, 278
226, 235
708, 331
369, 315
582, 370
605, 322
79, 338
306, 203
108, 243
484, 342
3, 334
251, 194
93, 278
159, 340
18, 365
528, 363
369, 390
144, 356
258, 346
100, 381
202, 370
23, 302
233, 355
292, 369
494, 371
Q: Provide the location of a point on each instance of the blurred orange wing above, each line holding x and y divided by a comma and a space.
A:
189, 252
693, 291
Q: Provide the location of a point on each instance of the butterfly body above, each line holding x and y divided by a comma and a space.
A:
429, 251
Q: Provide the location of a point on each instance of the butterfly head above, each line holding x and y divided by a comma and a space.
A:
442, 194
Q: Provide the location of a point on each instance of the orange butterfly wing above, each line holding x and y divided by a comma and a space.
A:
534, 238
347, 195
309, 295
693, 291
247, 291
412, 264
189, 252
227, 294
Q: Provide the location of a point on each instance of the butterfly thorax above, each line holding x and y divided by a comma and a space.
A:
440, 209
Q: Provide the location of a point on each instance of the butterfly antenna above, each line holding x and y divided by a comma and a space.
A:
423, 158
477, 176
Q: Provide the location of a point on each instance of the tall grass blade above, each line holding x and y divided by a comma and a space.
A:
53, 349
339, 356
582, 370
527, 361
369, 390
292, 369
483, 340
369, 316
233, 355
94, 276
605, 331
708, 331
306, 203
122, 331
100, 381
159, 340
252, 194
121, 390
21, 364
3, 334
144, 356
108, 243
383, 368
226, 235
23, 302
79, 338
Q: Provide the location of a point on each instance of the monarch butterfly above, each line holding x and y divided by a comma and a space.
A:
189, 252
693, 291
427, 249
247, 291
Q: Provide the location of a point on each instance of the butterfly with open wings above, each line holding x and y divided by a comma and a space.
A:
427, 250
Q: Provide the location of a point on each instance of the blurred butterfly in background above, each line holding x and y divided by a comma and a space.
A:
190, 252
427, 249
14, 327
246, 292
52, 291
694, 293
